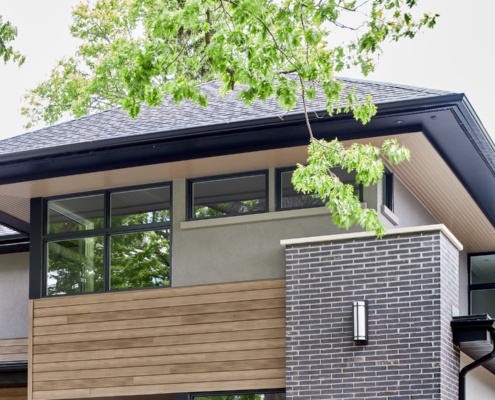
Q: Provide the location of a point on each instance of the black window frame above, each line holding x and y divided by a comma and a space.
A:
192, 396
278, 190
477, 286
107, 231
388, 189
190, 193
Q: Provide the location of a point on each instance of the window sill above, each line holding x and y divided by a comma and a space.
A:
263, 217
388, 213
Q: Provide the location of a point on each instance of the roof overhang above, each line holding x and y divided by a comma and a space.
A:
448, 123
259, 134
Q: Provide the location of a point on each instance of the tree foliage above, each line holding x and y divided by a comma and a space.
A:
134, 52
365, 161
8, 33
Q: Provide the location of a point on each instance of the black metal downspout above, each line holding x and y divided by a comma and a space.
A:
473, 365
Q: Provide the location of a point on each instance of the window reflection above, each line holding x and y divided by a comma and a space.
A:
140, 259
75, 266
75, 214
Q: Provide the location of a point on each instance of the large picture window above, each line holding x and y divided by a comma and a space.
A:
113, 240
482, 284
228, 195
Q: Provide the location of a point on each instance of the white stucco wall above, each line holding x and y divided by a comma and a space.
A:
14, 285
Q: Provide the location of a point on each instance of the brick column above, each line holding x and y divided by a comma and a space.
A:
410, 281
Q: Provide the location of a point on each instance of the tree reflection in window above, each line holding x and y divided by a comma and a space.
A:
140, 259
128, 247
233, 195
75, 266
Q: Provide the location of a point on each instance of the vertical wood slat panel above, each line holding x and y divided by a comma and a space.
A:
202, 338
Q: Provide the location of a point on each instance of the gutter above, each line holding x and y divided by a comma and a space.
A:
384, 109
473, 331
473, 365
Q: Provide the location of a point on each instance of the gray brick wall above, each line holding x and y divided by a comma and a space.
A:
410, 282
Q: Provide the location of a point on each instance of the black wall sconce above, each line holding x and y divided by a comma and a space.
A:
360, 320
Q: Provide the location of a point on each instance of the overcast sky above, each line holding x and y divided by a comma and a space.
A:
458, 55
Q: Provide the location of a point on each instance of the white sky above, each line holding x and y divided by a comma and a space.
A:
458, 55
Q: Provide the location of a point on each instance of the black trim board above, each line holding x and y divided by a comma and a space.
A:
13, 374
209, 141
448, 122
14, 223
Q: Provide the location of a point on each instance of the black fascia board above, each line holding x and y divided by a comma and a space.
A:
468, 150
260, 134
448, 122
386, 108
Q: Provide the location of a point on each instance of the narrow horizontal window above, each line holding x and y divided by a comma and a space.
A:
142, 206
288, 198
233, 195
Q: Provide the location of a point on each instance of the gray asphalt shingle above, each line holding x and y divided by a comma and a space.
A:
115, 123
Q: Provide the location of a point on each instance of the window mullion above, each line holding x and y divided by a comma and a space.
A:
106, 243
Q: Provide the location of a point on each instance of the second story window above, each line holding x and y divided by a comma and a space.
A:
482, 284
388, 189
228, 195
288, 198
112, 240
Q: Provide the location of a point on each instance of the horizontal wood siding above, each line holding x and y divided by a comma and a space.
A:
202, 338
13, 350
14, 393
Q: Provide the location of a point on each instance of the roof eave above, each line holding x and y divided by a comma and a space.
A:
385, 108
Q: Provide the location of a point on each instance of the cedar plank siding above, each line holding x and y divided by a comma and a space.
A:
12, 350
203, 338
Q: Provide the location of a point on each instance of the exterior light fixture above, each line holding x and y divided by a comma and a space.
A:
360, 319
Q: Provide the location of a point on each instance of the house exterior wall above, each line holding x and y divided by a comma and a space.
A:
14, 284
204, 338
410, 282
216, 251
408, 209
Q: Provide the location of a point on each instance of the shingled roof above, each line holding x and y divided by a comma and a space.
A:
115, 123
